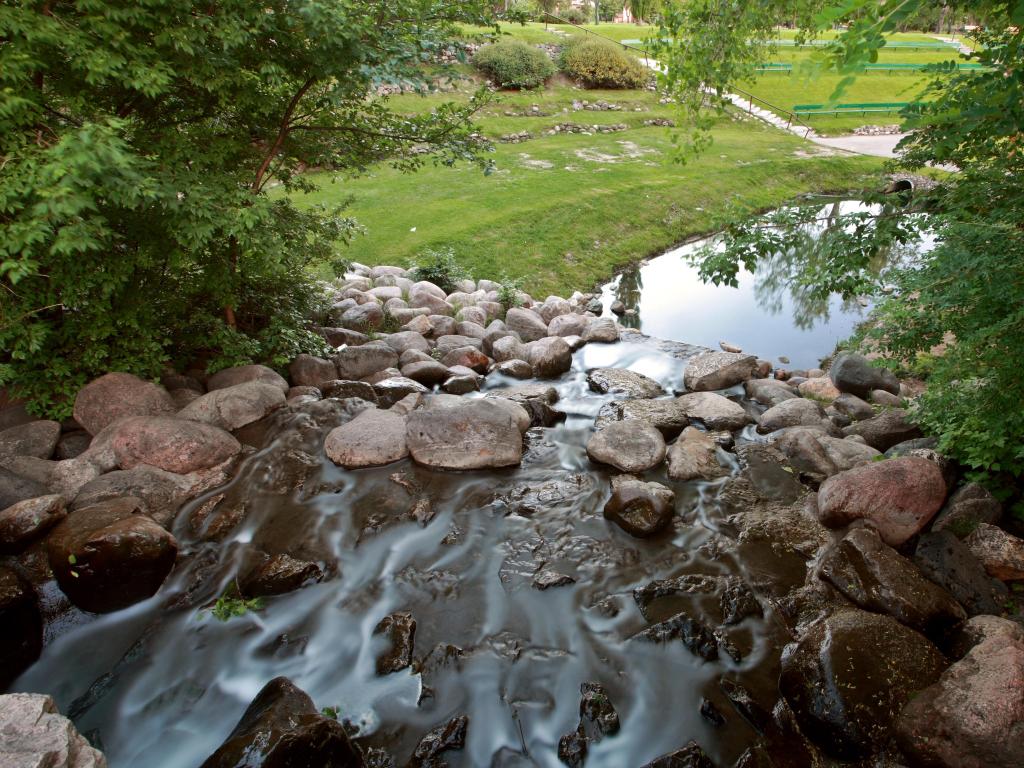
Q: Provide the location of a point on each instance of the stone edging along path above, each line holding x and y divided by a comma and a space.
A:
147, 449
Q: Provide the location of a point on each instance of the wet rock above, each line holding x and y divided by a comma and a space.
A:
596, 710
769, 392
110, 555
714, 411
516, 369
572, 749
967, 508
849, 676
354, 363
667, 416
244, 374
791, 413
687, 584
694, 456
267, 575
390, 390
116, 395
884, 430
601, 330
854, 374
234, 407
718, 370
1001, 554
444, 738
948, 562
973, 717
550, 579
853, 407
35, 735
372, 439
308, 371
746, 705
22, 638
37, 439
22, 523
426, 372
340, 389
711, 713
877, 578
472, 434
688, 756
400, 630
697, 638
819, 389
819, 456
738, 603
461, 385
768, 473
175, 445
620, 381
899, 496
550, 356
282, 727
640, 509
528, 325
629, 446
561, 493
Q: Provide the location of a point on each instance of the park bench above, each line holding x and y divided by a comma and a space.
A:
852, 109
890, 68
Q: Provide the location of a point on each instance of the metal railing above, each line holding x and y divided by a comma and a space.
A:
791, 117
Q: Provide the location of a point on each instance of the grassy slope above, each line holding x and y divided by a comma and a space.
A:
572, 224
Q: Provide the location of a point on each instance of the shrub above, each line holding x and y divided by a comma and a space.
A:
508, 292
439, 267
514, 64
575, 15
602, 64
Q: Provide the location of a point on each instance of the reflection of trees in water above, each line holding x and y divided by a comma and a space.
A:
631, 285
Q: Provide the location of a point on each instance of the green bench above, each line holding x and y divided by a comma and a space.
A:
852, 109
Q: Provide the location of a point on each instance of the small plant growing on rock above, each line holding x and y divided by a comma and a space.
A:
231, 604
439, 267
508, 292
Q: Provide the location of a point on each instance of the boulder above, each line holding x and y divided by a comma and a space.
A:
395, 388
898, 496
467, 357
550, 356
516, 369
947, 561
886, 399
818, 455
265, 575
427, 372
568, 325
363, 317
973, 717
371, 439
819, 389
713, 410
718, 370
461, 384
444, 738
629, 446
967, 508
340, 389
553, 307
175, 445
116, 395
885, 430
37, 439
694, 456
1000, 553
35, 735
338, 337
234, 407
877, 578
308, 371
22, 638
244, 374
508, 348
110, 555
400, 630
441, 325
689, 756
640, 509
855, 374
853, 407
620, 381
403, 341
73, 444
768, 392
601, 330
26, 521
450, 342
850, 675
526, 323
667, 416
469, 434
791, 413
354, 363
282, 727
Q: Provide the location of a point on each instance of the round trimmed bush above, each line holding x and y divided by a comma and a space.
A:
602, 64
514, 64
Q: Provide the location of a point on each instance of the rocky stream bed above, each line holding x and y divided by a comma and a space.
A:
529, 537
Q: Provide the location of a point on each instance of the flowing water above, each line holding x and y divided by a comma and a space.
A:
162, 683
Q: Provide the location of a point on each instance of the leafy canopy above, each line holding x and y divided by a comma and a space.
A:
137, 144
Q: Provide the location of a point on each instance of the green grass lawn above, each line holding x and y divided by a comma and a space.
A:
564, 212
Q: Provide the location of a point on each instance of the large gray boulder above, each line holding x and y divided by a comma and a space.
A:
769, 392
36, 735
550, 356
234, 407
309, 371
175, 445
640, 509
243, 374
37, 439
718, 370
855, 374
526, 323
694, 456
355, 363
601, 330
117, 395
26, 521
372, 439
885, 430
469, 434
667, 415
948, 562
819, 455
621, 381
713, 410
629, 446
791, 413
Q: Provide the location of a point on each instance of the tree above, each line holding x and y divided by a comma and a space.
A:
956, 312
644, 10
138, 143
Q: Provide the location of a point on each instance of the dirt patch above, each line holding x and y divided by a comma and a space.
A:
630, 151
538, 165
